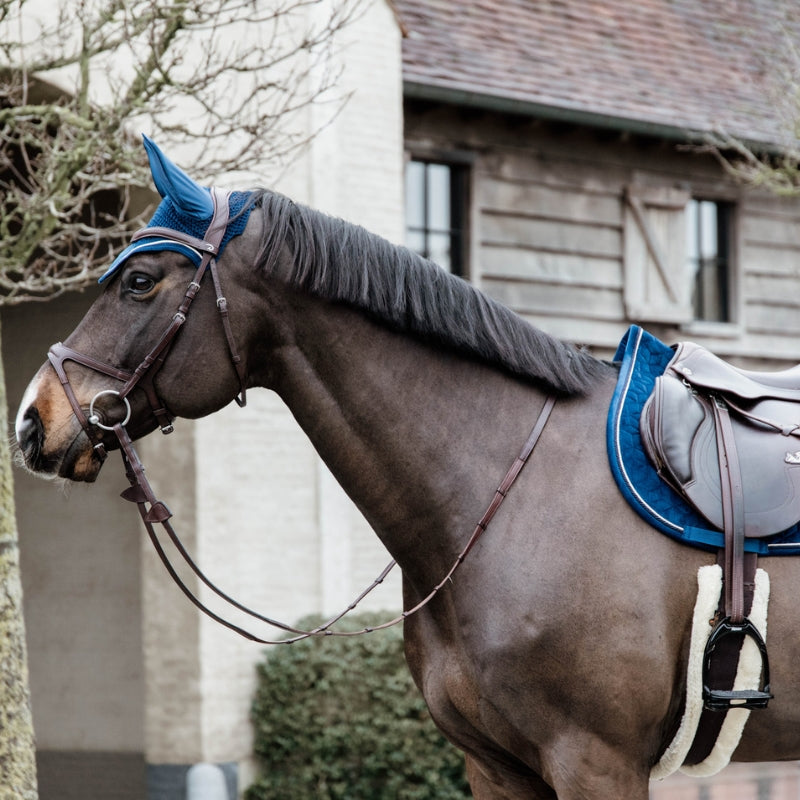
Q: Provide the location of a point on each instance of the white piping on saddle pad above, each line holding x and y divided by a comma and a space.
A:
748, 675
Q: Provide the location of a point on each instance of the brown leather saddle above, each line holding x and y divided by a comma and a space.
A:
680, 427
728, 441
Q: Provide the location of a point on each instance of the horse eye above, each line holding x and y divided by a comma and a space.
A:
139, 283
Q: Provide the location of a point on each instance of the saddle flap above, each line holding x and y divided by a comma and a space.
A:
668, 445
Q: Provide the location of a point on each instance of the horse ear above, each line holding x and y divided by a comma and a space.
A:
173, 182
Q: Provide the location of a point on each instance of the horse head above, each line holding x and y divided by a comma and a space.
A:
109, 369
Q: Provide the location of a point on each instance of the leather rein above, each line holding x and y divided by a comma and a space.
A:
154, 511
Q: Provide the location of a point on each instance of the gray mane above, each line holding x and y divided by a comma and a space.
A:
344, 263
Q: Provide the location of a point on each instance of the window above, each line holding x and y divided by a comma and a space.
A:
708, 238
678, 256
436, 213
656, 287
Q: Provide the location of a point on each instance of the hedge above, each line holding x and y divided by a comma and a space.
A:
341, 719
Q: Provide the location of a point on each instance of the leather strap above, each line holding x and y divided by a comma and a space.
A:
222, 306
206, 245
141, 493
58, 355
739, 571
513, 473
723, 669
732, 512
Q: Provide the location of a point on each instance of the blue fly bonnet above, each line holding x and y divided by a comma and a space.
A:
186, 207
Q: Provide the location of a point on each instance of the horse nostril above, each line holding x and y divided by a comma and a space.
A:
30, 435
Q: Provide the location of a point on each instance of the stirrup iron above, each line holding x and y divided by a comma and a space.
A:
723, 700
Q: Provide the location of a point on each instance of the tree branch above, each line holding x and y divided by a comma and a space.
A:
233, 75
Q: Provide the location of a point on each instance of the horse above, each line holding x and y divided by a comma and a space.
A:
555, 657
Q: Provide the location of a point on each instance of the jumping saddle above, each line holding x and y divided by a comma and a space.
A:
728, 441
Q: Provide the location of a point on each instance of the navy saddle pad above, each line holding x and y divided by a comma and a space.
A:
642, 359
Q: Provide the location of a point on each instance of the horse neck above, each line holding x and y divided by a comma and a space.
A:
418, 437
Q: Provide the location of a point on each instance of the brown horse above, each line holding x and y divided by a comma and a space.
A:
556, 658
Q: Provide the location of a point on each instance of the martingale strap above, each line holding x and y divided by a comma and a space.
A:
154, 511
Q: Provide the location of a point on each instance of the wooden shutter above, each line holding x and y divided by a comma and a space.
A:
658, 286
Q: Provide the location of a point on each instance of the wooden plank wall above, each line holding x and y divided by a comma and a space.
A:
770, 248
550, 245
547, 231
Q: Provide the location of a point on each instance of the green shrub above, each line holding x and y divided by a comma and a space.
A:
341, 719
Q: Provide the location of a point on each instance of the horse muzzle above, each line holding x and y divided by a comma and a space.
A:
50, 439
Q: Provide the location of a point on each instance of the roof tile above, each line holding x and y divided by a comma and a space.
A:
700, 65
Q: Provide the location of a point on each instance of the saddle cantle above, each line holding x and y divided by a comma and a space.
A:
679, 427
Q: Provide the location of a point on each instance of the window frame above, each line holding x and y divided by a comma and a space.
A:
461, 193
734, 325
720, 262
673, 304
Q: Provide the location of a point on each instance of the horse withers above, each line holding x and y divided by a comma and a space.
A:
556, 658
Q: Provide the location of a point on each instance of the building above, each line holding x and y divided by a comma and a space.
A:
550, 154
572, 126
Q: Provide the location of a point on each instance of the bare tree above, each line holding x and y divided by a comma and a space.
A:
773, 163
773, 169
78, 80
229, 79
17, 750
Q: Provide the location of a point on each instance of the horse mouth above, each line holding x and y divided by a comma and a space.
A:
77, 462
80, 463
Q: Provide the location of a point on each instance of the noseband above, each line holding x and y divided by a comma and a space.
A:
140, 492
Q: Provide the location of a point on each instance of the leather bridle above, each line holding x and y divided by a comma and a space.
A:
154, 511
143, 377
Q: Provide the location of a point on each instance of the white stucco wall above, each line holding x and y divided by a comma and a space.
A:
272, 527
79, 552
120, 660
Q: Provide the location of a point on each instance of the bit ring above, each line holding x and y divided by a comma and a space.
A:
94, 419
